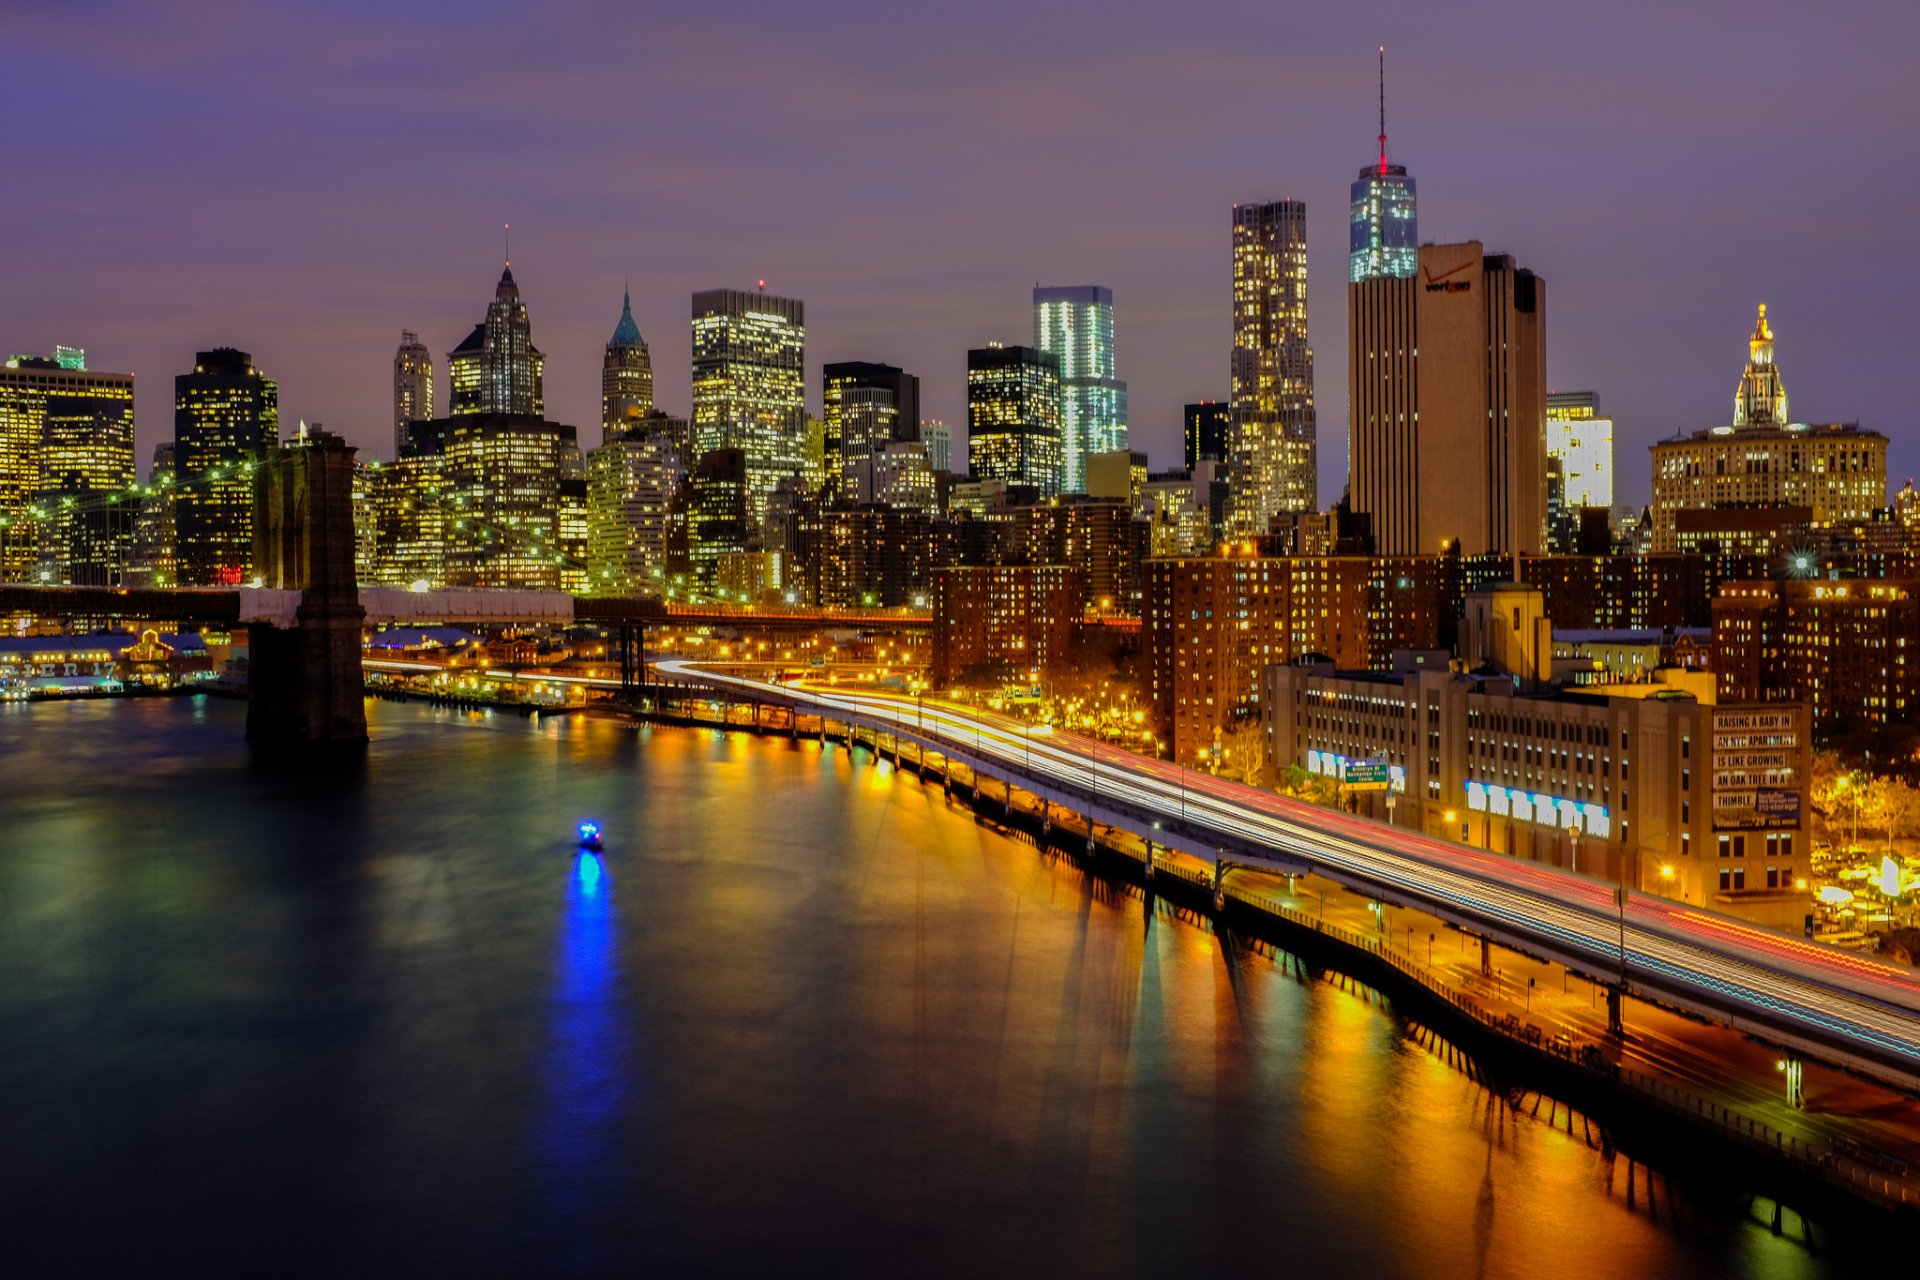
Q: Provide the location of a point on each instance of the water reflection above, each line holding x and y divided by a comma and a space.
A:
586, 1070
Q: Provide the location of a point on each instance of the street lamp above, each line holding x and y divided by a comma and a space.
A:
1575, 830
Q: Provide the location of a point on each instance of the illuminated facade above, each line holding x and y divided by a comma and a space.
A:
1013, 417
898, 476
1383, 235
1669, 795
1583, 441
637, 521
498, 369
226, 417
1074, 323
749, 391
1212, 624
864, 408
412, 386
1446, 376
150, 560
66, 465
719, 510
1273, 449
1002, 621
409, 516
626, 376
1850, 649
1835, 471
511, 499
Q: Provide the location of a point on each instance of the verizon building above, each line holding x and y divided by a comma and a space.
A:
1447, 379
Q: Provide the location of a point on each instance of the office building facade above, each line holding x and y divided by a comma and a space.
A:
864, 407
497, 369
1013, 417
226, 419
749, 357
1273, 451
412, 385
1208, 431
66, 466
1075, 324
1447, 387
1582, 439
626, 376
1831, 472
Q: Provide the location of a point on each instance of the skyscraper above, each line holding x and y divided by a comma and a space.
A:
226, 417
1209, 427
902, 412
1013, 417
1075, 324
1447, 387
66, 452
1583, 441
1761, 398
1272, 462
412, 386
938, 437
636, 514
626, 376
749, 391
498, 369
1383, 233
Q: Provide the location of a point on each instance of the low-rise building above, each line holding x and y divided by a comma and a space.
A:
1643, 785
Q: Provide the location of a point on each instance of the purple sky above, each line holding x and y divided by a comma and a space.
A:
306, 180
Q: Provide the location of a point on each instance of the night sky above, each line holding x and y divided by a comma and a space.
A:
304, 181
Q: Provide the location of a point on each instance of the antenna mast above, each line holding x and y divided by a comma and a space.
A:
1383, 111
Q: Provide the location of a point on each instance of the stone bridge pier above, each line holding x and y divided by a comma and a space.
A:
304, 682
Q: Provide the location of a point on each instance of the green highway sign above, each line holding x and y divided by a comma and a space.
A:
1367, 775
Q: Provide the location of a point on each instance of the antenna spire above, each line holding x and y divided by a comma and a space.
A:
506, 228
1383, 111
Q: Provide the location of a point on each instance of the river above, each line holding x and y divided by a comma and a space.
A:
802, 1017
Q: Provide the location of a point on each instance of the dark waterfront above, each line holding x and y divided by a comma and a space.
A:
807, 1019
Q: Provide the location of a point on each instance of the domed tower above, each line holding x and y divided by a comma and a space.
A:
1761, 400
626, 375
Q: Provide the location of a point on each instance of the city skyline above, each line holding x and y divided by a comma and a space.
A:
1658, 240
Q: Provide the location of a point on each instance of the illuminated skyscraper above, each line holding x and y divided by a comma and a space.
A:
1075, 324
1446, 379
886, 418
636, 514
749, 391
412, 386
1272, 453
1823, 472
1383, 234
1583, 441
498, 369
626, 376
150, 561
66, 453
226, 417
1013, 417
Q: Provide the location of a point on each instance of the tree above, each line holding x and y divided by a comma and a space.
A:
1902, 944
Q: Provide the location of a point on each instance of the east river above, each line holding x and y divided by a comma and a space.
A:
803, 1018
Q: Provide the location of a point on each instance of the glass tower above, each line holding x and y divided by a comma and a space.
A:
1272, 448
1383, 234
226, 418
1013, 417
1075, 324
